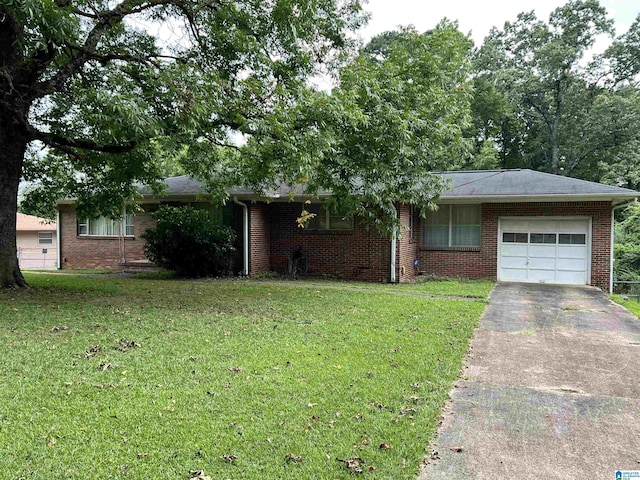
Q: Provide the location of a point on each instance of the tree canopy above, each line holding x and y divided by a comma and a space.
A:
92, 90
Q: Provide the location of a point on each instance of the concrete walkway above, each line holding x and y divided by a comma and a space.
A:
551, 390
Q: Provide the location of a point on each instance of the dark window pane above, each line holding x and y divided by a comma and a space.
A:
549, 238
514, 237
578, 239
573, 239
522, 237
537, 238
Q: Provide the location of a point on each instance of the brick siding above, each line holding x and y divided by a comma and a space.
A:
83, 252
407, 245
358, 254
259, 238
482, 262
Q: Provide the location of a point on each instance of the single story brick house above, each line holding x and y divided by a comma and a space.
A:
510, 225
35, 242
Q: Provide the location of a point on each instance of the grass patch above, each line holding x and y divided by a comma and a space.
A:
455, 288
631, 304
113, 377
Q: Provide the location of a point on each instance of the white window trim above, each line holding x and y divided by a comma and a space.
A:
450, 207
87, 224
48, 243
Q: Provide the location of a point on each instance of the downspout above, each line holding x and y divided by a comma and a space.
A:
58, 252
394, 244
245, 235
613, 237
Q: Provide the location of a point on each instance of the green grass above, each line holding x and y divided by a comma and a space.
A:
135, 378
456, 288
632, 304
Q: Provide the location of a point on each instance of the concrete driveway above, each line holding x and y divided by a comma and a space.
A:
551, 390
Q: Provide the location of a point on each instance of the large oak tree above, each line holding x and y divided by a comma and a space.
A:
94, 92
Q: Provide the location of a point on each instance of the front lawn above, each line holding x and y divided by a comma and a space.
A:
134, 378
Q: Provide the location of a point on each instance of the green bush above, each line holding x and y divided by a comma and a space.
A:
189, 242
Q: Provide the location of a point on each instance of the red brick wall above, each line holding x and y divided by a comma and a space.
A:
482, 262
259, 238
360, 254
407, 245
78, 252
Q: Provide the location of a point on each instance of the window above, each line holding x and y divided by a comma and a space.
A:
453, 226
572, 239
515, 237
543, 238
106, 227
45, 238
327, 220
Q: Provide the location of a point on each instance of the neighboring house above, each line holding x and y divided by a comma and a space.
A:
511, 225
36, 242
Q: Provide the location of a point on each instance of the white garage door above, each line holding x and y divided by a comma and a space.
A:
544, 250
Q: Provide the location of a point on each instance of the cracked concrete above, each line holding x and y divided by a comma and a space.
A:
550, 390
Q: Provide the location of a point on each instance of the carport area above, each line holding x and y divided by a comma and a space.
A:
550, 390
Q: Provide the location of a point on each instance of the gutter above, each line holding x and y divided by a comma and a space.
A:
245, 235
58, 252
613, 237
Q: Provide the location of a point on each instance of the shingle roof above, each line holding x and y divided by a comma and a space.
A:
524, 182
486, 185
33, 224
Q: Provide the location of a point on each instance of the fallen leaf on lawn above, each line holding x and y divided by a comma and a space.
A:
415, 385
236, 369
407, 410
311, 405
354, 464
142, 455
372, 468
92, 350
198, 475
290, 457
381, 406
359, 416
456, 449
124, 344
384, 446
51, 442
229, 458
104, 366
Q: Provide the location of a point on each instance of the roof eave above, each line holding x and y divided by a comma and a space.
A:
605, 197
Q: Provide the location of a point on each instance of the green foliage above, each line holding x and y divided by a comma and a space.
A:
536, 100
398, 114
111, 104
153, 379
189, 242
624, 55
627, 246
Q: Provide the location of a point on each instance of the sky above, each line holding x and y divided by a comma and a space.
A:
477, 16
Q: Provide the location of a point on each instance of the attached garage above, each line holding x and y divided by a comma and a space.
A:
544, 250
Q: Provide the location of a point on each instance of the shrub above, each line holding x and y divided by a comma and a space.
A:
189, 242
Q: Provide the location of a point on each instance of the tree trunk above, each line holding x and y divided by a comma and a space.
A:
12, 149
555, 148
